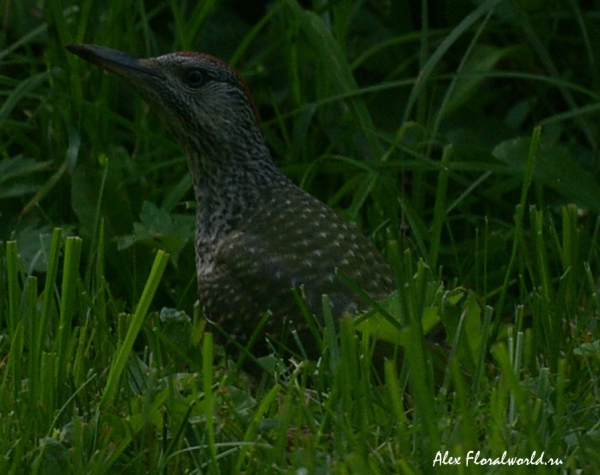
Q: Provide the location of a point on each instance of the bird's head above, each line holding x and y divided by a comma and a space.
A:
206, 104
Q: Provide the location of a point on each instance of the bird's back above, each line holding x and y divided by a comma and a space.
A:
292, 241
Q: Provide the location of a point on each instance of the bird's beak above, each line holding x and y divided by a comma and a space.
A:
123, 64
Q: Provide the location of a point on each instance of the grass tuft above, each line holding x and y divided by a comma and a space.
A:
454, 135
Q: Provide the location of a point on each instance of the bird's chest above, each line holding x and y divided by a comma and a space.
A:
209, 238
216, 221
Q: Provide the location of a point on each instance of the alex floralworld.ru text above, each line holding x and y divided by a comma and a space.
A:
476, 459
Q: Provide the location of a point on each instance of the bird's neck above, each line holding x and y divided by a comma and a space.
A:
228, 190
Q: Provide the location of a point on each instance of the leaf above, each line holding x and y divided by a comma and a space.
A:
176, 325
160, 229
458, 304
55, 457
482, 60
18, 166
23, 89
18, 190
92, 184
556, 168
318, 34
34, 246
14, 170
379, 327
588, 350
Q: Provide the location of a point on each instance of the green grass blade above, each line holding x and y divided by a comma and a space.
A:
122, 354
528, 177
207, 386
334, 352
48, 295
250, 434
22, 90
439, 214
14, 298
30, 299
67, 307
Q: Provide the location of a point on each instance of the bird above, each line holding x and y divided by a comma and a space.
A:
259, 237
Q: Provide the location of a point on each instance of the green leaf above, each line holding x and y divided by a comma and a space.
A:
483, 59
461, 311
55, 457
14, 169
556, 168
23, 89
380, 327
160, 229
97, 192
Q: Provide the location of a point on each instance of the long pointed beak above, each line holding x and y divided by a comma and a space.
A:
123, 64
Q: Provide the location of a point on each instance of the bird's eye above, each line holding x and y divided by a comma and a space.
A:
194, 78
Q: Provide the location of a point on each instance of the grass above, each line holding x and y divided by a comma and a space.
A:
461, 141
